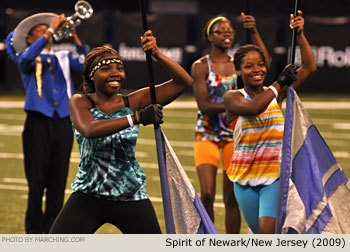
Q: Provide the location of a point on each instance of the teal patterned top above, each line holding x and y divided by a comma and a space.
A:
108, 167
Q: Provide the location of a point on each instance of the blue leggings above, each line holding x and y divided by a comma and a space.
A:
256, 202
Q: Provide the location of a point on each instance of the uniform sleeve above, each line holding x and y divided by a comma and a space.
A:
9, 47
26, 59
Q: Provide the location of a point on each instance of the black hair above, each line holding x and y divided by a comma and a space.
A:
94, 56
204, 31
240, 54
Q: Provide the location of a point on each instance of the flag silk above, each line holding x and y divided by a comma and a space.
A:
314, 192
184, 207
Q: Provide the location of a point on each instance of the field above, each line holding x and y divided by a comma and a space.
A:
332, 119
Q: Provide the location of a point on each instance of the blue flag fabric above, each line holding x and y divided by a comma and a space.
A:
314, 193
184, 212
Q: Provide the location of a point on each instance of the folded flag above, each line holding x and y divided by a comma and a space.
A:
314, 193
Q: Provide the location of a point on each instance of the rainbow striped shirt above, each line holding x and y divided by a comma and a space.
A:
258, 141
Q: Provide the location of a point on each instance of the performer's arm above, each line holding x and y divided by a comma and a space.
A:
249, 23
167, 91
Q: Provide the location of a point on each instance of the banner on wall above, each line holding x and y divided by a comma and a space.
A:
170, 32
331, 46
180, 38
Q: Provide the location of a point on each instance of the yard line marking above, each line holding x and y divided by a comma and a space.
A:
143, 154
13, 117
183, 126
15, 130
13, 187
75, 156
69, 191
155, 166
24, 188
337, 135
192, 104
338, 143
6, 129
11, 155
182, 114
327, 105
341, 126
11, 104
159, 200
157, 179
77, 160
327, 121
341, 154
15, 180
185, 153
172, 142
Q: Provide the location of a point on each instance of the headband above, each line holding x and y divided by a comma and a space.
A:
104, 62
212, 22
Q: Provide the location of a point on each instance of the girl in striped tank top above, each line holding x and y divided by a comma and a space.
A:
214, 74
258, 133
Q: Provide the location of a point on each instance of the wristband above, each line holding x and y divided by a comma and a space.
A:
51, 30
274, 90
131, 123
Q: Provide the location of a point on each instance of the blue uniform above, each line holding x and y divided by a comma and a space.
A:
47, 136
56, 77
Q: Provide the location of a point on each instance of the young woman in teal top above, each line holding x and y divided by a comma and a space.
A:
110, 185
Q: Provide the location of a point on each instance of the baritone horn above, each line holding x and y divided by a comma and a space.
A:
83, 10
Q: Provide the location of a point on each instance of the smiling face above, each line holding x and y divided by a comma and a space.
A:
222, 34
252, 69
109, 77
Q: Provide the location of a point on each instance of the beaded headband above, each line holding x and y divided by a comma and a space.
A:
212, 22
104, 62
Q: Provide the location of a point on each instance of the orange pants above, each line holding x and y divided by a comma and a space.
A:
208, 152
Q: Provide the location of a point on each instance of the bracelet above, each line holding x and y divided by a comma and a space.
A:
51, 30
274, 90
131, 123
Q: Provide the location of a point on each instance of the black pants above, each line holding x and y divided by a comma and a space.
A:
84, 214
47, 144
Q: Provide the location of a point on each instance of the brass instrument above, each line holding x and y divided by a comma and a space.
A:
83, 10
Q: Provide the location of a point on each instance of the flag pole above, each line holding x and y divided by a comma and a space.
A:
160, 142
291, 59
148, 54
286, 146
246, 12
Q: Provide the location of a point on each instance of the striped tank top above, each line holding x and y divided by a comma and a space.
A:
258, 141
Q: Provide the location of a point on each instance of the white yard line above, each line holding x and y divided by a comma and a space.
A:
69, 191
193, 104
24, 188
75, 159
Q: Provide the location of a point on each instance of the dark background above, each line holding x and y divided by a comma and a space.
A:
178, 24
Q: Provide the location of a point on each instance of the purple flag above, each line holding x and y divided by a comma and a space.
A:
183, 210
314, 194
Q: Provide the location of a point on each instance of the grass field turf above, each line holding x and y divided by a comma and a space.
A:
179, 123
